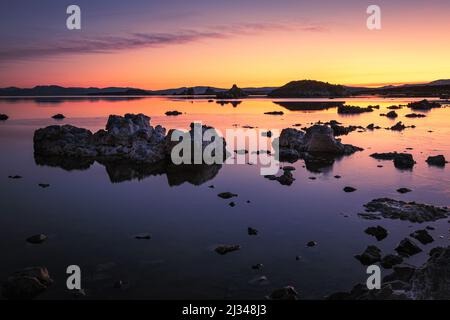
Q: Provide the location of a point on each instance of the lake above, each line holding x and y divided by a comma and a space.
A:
92, 214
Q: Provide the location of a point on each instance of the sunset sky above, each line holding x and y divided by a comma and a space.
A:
172, 43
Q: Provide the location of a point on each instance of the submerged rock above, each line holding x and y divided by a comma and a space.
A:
37, 238
407, 248
224, 249
390, 260
411, 211
423, 236
438, 160
286, 293
378, 232
371, 255
26, 284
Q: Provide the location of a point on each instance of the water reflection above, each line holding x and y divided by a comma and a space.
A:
120, 171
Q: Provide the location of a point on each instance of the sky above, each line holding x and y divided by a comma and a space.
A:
166, 44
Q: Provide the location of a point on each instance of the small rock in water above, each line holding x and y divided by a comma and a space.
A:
59, 116
37, 238
257, 266
248, 201
286, 293
311, 244
275, 113
407, 248
423, 236
232, 204
15, 177
391, 260
211, 187
288, 168
349, 189
438, 161
227, 195
337, 176
224, 249
378, 232
259, 281
143, 236
429, 228
43, 185
3, 117
371, 255
312, 178
173, 113
252, 232
403, 190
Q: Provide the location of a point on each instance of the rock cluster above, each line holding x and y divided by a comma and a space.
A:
411, 211
431, 281
130, 138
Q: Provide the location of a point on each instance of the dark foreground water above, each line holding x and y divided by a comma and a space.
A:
92, 215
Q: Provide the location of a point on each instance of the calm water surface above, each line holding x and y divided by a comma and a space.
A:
91, 218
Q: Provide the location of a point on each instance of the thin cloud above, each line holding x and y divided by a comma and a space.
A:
111, 44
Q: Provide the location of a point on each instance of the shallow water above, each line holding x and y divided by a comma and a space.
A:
91, 218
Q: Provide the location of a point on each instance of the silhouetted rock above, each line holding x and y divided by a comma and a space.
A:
403, 190
252, 231
391, 114
415, 115
58, 116
224, 249
438, 161
309, 88
274, 113
311, 244
227, 195
423, 105
349, 189
234, 93
173, 113
353, 109
3, 117
411, 211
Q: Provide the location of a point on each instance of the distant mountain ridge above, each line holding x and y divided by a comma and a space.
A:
301, 88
